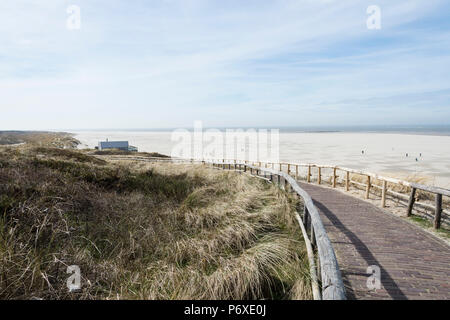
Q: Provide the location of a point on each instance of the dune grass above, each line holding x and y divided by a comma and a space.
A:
143, 231
38, 138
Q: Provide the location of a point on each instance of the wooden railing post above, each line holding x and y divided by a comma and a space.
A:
319, 178
334, 177
412, 199
280, 167
437, 215
347, 181
368, 187
308, 178
383, 194
289, 168
296, 172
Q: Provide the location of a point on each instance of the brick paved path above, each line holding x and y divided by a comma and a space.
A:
413, 263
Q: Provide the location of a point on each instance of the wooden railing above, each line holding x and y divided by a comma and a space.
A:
329, 275
326, 279
439, 212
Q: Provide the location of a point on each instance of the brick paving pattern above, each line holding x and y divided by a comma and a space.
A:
413, 263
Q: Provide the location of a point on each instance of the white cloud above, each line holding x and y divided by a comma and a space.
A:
166, 63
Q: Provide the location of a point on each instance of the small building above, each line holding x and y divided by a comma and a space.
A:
121, 145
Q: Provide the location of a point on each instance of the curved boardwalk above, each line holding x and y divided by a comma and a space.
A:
413, 263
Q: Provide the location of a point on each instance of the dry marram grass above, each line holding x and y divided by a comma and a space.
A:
143, 231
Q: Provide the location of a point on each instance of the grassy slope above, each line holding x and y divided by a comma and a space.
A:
150, 231
41, 138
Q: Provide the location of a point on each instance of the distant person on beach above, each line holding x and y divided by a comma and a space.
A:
362, 151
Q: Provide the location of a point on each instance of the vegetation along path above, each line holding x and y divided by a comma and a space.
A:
413, 264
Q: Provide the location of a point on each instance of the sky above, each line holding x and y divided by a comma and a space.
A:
167, 63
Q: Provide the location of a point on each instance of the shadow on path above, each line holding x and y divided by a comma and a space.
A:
388, 283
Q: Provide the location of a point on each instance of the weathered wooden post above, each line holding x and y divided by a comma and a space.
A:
319, 178
368, 187
334, 177
437, 215
308, 178
289, 168
280, 167
296, 172
383, 194
347, 181
412, 199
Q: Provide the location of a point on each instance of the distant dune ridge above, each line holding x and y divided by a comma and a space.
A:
41, 138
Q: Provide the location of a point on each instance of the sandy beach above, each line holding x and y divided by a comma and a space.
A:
384, 153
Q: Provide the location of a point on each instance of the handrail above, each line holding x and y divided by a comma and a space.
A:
331, 278
432, 189
437, 191
332, 284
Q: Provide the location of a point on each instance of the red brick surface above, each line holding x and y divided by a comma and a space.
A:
413, 263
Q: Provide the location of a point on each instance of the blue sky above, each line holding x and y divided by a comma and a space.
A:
166, 63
